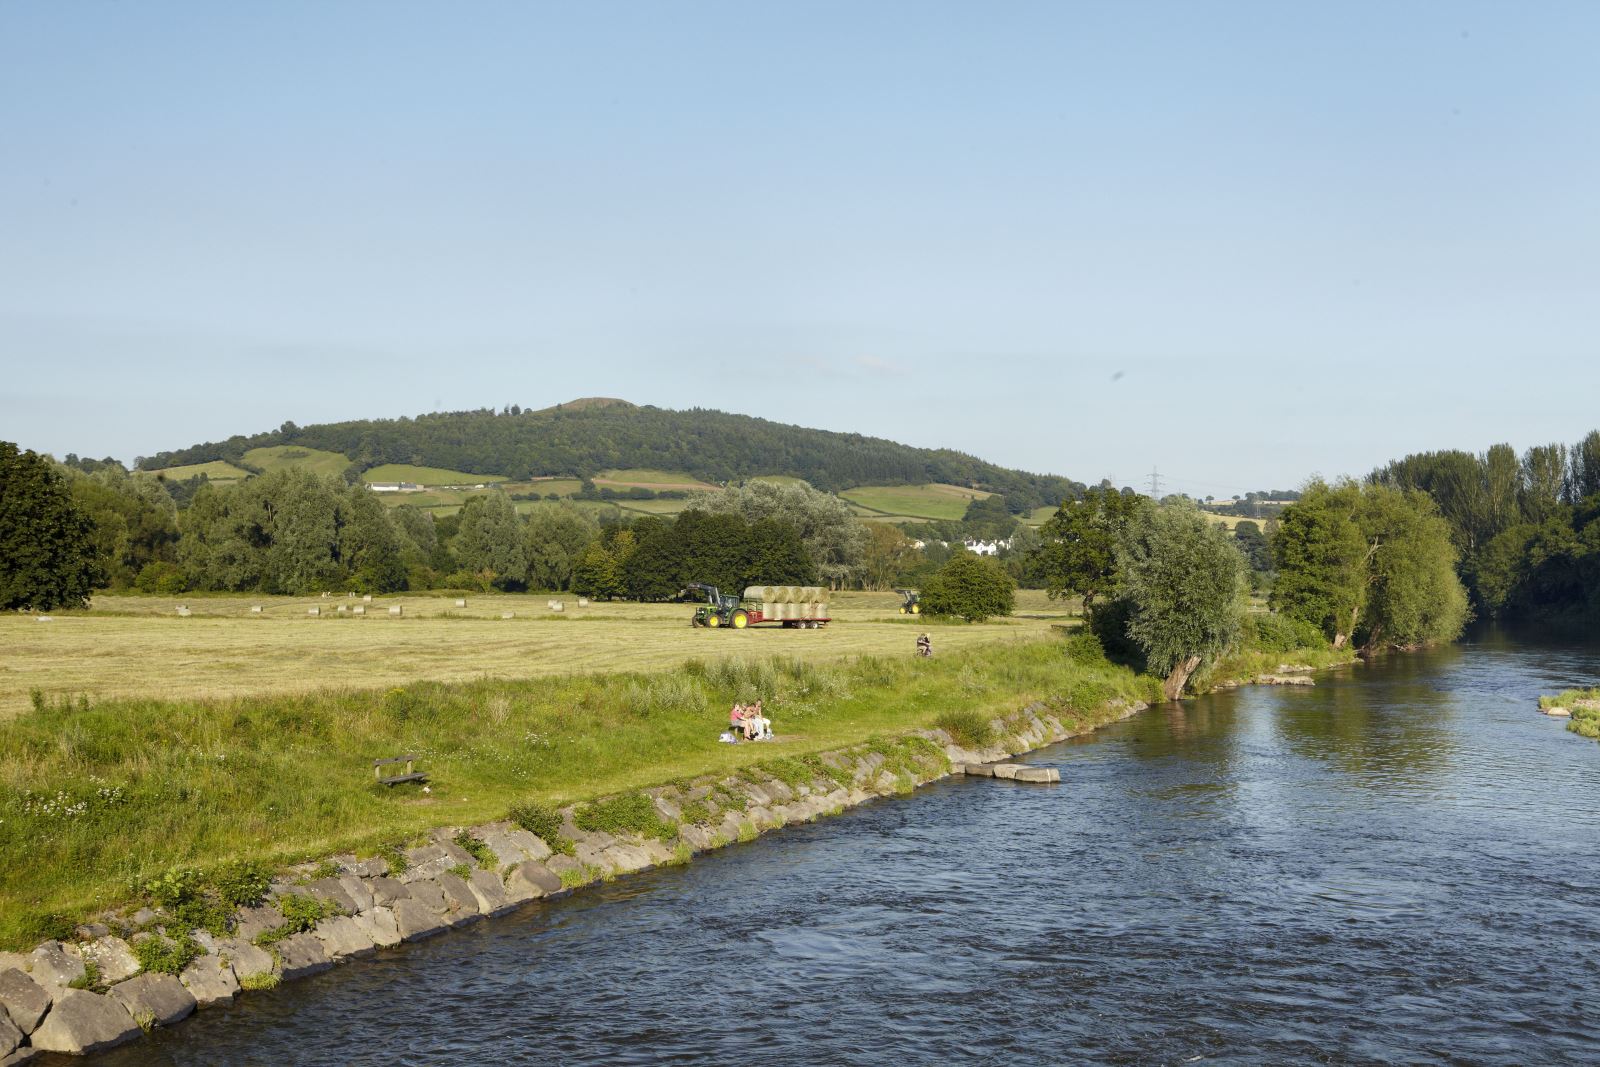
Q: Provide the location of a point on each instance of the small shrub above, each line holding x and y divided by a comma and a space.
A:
627, 813
264, 980
204, 912
696, 811
300, 914
89, 978
1084, 649
1280, 633
395, 857
479, 851
176, 886
242, 884
791, 772
967, 728
461, 871
543, 822
166, 955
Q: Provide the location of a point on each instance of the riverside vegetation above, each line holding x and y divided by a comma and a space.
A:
1583, 707
117, 792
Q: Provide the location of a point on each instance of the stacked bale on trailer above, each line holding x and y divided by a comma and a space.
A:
792, 605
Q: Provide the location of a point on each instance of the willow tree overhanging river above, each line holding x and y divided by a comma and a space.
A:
1400, 863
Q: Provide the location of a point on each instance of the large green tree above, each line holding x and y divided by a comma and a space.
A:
554, 539
969, 587
290, 532
1321, 559
47, 550
490, 542
135, 520
1413, 594
1183, 580
1077, 556
889, 555
834, 537
1374, 560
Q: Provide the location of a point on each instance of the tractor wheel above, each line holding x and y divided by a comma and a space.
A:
713, 621
916, 609
902, 611
741, 619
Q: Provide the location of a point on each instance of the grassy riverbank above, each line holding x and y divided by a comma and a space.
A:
97, 797
1584, 705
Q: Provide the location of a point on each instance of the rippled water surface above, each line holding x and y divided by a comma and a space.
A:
1399, 864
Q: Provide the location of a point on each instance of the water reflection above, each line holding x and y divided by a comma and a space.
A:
1390, 725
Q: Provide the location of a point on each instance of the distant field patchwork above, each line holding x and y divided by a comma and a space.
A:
649, 479
315, 460
405, 472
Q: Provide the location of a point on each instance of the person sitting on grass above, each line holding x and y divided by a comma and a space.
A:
760, 724
736, 720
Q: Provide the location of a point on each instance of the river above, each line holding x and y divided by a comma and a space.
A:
1399, 864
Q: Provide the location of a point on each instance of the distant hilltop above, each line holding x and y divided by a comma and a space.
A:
587, 403
590, 437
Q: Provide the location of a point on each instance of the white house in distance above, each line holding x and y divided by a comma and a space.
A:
977, 548
394, 487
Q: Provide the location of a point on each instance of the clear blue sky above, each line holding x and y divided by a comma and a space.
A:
1307, 238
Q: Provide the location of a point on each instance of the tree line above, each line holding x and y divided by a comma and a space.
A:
68, 530
1167, 589
1526, 528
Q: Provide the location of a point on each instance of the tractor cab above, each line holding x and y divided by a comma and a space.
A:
910, 602
720, 609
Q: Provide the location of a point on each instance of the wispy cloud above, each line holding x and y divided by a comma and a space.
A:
878, 365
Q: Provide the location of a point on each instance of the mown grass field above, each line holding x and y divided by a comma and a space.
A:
134, 646
406, 472
1229, 522
217, 470
932, 501
98, 796
315, 460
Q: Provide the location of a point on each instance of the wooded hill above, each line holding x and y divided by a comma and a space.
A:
582, 438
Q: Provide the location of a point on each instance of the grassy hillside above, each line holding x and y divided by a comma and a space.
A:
216, 470
645, 478
606, 439
278, 457
914, 502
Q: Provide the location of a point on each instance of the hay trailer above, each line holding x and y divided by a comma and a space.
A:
795, 607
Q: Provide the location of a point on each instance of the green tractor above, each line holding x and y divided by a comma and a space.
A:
910, 602
720, 609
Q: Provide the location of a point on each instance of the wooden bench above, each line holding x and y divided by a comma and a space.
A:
411, 775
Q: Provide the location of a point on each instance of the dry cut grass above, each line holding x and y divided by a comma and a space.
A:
134, 647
